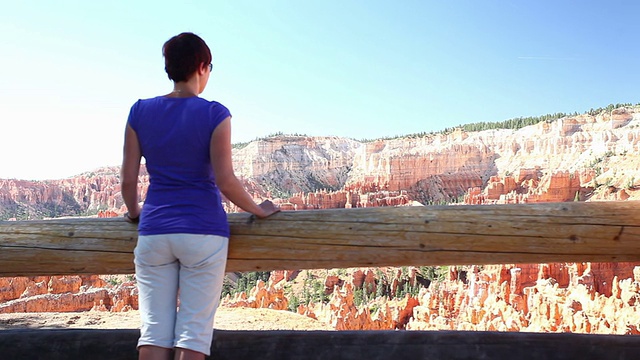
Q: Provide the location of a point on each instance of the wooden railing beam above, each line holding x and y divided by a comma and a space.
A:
340, 238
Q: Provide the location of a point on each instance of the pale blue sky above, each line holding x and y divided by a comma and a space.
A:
70, 70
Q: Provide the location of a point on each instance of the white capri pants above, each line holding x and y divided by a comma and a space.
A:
194, 264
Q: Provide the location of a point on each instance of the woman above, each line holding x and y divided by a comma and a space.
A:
183, 229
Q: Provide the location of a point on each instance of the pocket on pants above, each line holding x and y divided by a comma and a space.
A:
203, 250
152, 250
142, 248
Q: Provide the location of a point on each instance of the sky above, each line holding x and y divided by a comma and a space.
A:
70, 70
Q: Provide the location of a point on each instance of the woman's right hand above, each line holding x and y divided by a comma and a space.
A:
268, 208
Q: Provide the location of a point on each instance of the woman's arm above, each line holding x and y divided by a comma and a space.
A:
129, 171
226, 179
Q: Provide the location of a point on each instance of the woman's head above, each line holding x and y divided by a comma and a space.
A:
183, 55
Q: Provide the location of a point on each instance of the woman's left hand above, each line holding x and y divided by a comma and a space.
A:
132, 219
268, 209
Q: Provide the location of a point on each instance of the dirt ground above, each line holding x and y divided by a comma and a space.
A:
226, 319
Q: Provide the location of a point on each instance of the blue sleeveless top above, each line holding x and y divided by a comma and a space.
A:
175, 137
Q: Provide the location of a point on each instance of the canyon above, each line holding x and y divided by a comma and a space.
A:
584, 157
595, 156
600, 298
588, 157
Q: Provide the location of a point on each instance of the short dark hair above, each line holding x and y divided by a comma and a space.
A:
183, 54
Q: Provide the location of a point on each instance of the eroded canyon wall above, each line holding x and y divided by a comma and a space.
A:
595, 157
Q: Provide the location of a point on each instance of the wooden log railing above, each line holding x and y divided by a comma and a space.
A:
340, 238
562, 232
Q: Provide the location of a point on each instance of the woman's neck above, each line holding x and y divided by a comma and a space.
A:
187, 88
180, 93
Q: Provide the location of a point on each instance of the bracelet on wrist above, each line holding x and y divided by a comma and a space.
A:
134, 220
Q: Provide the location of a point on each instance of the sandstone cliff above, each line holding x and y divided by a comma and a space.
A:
67, 294
291, 164
82, 195
585, 157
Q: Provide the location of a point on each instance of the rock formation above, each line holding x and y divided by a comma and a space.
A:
82, 195
583, 298
291, 164
532, 186
66, 294
583, 157
601, 298
578, 158
262, 296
